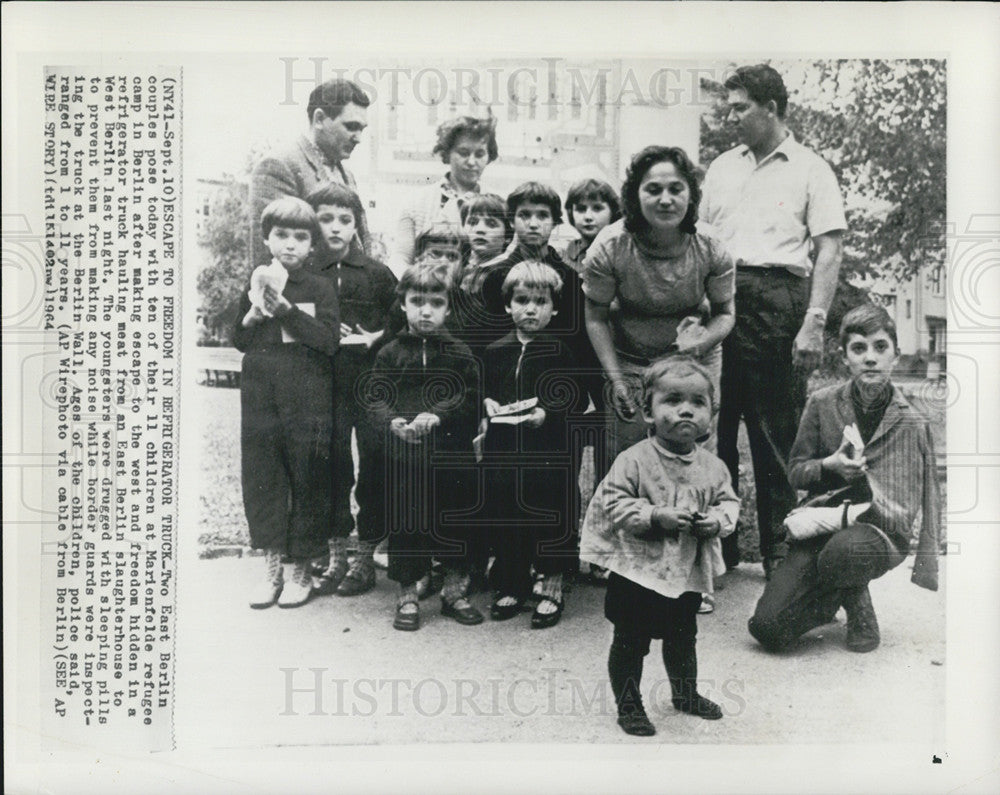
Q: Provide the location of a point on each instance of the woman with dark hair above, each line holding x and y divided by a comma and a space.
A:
466, 145
673, 289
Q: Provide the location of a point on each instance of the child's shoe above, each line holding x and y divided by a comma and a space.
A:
264, 594
297, 592
462, 611
707, 604
637, 723
698, 705
360, 579
294, 595
407, 616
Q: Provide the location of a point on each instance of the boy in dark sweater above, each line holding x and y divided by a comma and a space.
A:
529, 391
366, 294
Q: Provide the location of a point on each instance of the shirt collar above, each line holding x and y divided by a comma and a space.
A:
788, 149
449, 191
686, 458
316, 155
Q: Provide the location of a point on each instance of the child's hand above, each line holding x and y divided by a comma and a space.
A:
666, 523
705, 526
423, 423
842, 463
253, 317
275, 302
491, 406
535, 417
371, 337
399, 428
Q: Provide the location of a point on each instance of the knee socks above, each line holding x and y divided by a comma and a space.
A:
272, 566
338, 557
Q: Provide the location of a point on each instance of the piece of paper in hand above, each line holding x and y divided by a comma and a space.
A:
514, 413
853, 437
271, 275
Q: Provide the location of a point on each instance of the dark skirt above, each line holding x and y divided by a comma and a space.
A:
635, 610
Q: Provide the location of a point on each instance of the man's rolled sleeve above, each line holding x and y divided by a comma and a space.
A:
825, 209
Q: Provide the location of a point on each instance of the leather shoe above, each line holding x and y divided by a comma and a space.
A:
499, 612
546, 620
461, 611
327, 582
407, 621
357, 582
637, 723
264, 594
862, 625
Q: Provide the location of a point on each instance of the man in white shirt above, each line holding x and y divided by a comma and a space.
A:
777, 207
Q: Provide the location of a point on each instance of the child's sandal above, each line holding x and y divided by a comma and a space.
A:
499, 612
407, 616
541, 620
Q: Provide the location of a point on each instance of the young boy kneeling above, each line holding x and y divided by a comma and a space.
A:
895, 472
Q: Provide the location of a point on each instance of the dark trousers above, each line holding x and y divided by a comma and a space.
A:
534, 514
286, 413
427, 500
369, 490
761, 386
805, 591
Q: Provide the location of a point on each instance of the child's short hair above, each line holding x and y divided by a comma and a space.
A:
591, 190
425, 279
673, 365
491, 205
290, 212
532, 275
336, 195
864, 320
535, 193
437, 235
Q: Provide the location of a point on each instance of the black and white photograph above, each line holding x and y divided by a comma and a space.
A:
428, 411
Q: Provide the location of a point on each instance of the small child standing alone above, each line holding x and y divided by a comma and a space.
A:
288, 340
655, 523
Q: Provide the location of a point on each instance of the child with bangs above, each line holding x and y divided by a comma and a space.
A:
287, 330
591, 205
422, 395
529, 390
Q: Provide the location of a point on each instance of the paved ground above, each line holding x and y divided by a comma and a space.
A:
500, 682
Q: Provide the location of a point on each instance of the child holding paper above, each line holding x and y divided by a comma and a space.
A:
890, 465
286, 390
530, 388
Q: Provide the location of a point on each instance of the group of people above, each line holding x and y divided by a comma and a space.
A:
473, 383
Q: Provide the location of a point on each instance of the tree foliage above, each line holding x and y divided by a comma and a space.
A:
225, 236
881, 124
